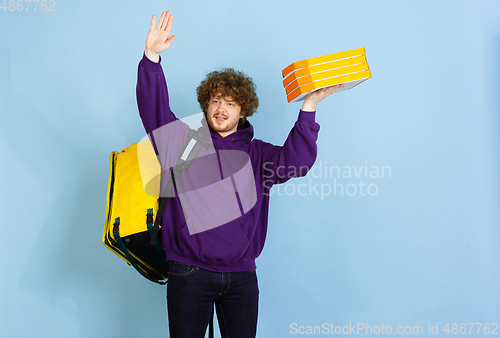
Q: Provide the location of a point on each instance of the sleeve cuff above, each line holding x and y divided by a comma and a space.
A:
307, 116
149, 65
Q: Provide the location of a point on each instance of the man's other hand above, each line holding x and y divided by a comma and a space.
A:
158, 38
312, 99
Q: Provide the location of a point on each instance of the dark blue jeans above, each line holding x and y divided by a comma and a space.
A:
192, 293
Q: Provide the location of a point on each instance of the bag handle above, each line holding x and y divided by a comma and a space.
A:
123, 248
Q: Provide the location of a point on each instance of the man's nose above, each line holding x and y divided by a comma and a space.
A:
221, 108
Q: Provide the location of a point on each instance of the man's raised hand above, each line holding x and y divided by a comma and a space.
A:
312, 99
158, 38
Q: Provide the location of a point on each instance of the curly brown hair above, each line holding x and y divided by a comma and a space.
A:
229, 82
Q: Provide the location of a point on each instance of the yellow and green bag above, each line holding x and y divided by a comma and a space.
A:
131, 210
133, 204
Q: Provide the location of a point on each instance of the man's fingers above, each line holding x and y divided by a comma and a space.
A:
166, 19
169, 41
162, 20
169, 23
153, 19
329, 90
334, 88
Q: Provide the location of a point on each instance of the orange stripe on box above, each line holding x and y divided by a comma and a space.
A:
325, 75
328, 82
323, 67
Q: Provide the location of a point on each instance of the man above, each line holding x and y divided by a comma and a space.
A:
213, 251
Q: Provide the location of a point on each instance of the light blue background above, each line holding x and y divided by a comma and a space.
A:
424, 249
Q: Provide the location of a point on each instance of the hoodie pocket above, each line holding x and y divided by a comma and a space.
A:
225, 244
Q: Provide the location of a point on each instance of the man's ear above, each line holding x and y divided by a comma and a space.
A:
242, 120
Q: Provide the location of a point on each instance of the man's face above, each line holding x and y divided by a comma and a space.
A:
223, 114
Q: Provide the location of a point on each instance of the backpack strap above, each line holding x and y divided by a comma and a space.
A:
159, 214
149, 223
191, 148
123, 248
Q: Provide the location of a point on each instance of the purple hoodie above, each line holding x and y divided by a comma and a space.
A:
226, 232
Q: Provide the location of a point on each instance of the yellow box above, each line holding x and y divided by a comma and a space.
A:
322, 59
325, 75
323, 67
